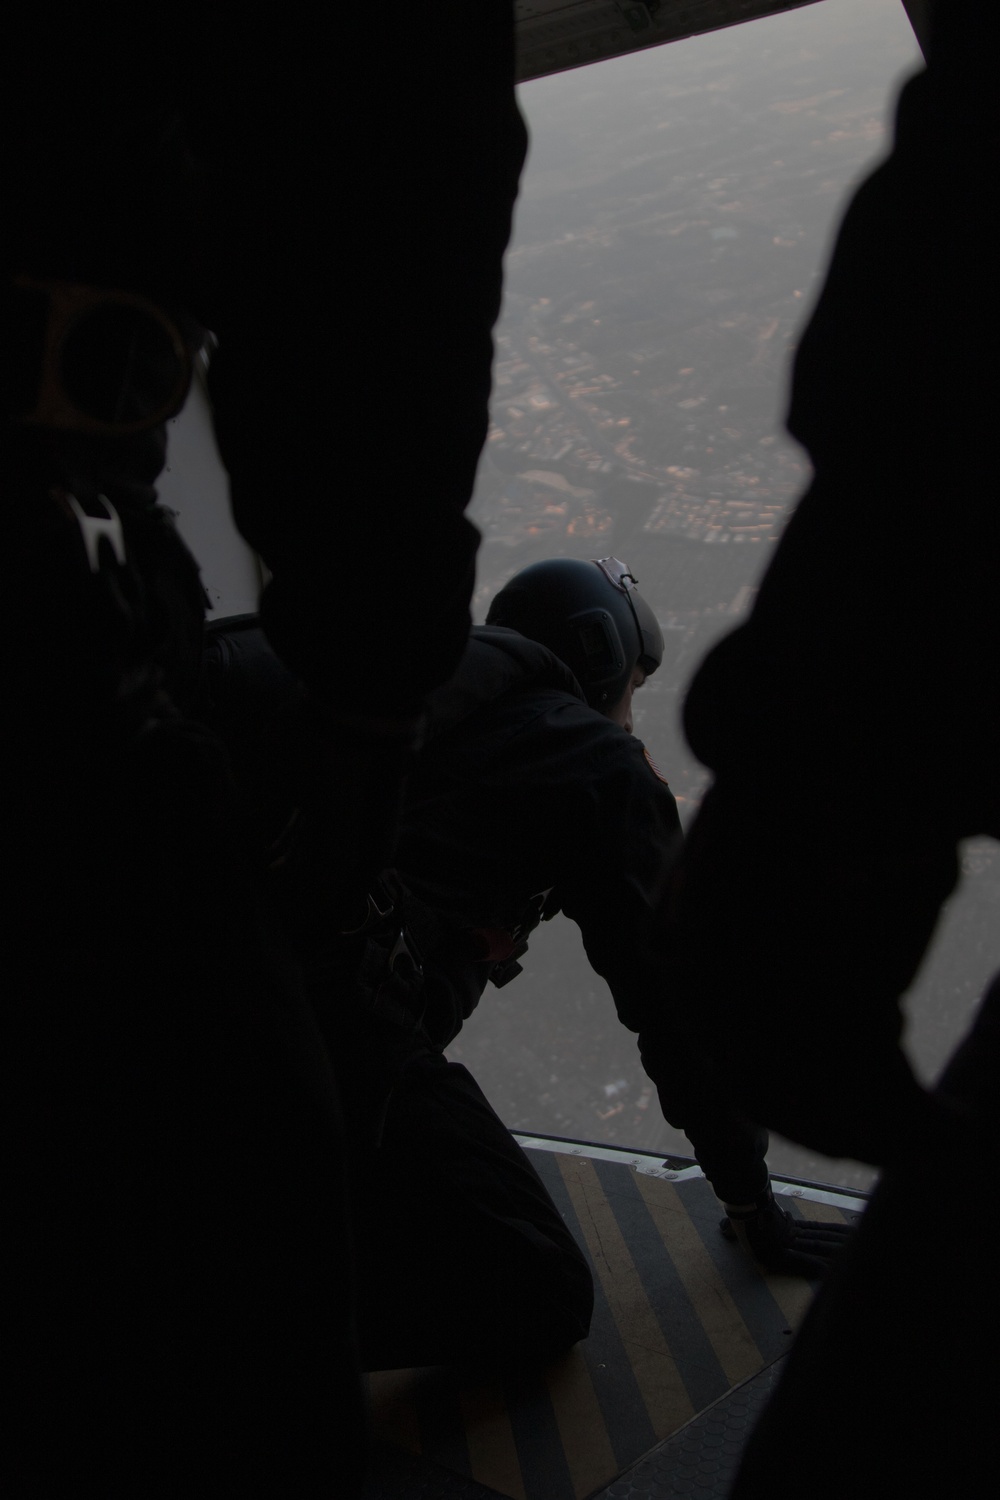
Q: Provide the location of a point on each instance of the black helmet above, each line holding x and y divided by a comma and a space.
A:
591, 615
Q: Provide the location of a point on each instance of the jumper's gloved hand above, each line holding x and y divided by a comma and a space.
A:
781, 1243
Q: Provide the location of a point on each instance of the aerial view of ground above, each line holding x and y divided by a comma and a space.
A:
672, 230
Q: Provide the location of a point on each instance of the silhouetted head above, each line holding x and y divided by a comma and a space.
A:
593, 617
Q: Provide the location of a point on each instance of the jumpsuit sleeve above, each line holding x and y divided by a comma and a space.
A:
626, 841
853, 724
623, 837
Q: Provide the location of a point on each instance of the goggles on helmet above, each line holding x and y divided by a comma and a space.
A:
93, 360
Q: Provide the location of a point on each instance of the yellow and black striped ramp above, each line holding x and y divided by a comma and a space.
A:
681, 1316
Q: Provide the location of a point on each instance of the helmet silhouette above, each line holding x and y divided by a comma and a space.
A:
591, 615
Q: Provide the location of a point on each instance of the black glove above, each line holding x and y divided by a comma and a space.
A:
783, 1244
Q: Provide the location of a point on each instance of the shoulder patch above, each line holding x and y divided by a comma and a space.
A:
651, 763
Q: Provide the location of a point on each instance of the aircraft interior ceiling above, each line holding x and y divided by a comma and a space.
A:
554, 35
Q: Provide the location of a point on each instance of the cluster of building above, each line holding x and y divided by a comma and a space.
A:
561, 426
716, 517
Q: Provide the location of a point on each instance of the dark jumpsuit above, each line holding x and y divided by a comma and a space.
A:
330, 194
521, 789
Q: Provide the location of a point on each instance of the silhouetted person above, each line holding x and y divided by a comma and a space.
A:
530, 796
853, 726
331, 199
892, 1377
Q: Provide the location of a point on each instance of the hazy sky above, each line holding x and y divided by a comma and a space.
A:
674, 220
644, 106
706, 172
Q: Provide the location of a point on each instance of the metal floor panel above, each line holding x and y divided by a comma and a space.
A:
682, 1317
702, 1458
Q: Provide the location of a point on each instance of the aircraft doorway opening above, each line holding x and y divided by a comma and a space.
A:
674, 221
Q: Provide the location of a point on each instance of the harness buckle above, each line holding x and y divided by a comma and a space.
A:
375, 915
94, 529
404, 952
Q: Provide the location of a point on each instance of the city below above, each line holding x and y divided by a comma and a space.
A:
671, 234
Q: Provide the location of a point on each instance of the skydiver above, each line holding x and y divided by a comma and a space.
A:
530, 796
